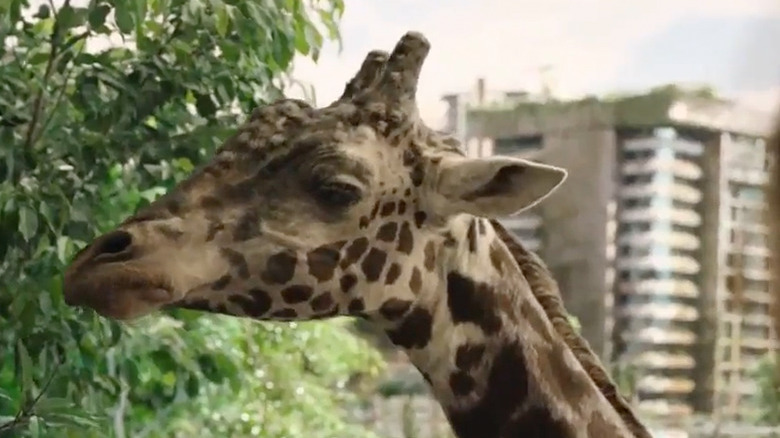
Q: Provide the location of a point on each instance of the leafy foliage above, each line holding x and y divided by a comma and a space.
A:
767, 398
104, 105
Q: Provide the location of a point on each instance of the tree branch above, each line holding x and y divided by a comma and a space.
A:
24, 414
38, 102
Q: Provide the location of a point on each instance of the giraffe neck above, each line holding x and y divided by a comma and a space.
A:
495, 361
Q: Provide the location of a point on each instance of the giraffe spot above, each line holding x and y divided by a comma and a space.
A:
472, 301
408, 192
497, 258
429, 254
481, 229
401, 207
468, 356
355, 306
419, 218
247, 227
417, 174
506, 388
375, 210
373, 263
169, 232
250, 305
213, 229
321, 302
221, 282
297, 293
599, 426
221, 308
393, 272
387, 232
210, 203
415, 281
262, 300
449, 240
174, 203
279, 268
354, 251
387, 209
461, 383
323, 260
363, 222
285, 314
538, 422
394, 308
327, 314
414, 331
347, 282
237, 260
471, 235
405, 239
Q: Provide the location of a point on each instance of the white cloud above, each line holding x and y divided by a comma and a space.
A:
585, 41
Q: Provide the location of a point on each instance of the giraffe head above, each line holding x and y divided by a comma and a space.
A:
307, 213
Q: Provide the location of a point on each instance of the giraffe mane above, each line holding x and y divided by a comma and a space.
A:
545, 289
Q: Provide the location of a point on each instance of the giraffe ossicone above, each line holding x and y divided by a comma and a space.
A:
360, 209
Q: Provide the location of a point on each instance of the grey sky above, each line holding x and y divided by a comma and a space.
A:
594, 46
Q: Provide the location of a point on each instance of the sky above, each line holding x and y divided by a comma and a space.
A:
590, 46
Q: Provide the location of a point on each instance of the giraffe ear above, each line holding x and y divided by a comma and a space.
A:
494, 186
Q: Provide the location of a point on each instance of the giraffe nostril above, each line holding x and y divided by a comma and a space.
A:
112, 245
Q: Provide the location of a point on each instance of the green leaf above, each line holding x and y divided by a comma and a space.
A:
205, 105
48, 405
38, 58
43, 12
97, 16
25, 367
123, 17
223, 21
69, 17
28, 222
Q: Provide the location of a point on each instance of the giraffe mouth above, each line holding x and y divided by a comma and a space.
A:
122, 296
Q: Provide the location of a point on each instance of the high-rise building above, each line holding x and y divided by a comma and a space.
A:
657, 240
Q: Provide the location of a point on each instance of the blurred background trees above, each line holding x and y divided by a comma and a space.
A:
104, 105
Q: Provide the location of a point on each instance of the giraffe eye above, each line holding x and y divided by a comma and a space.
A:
337, 194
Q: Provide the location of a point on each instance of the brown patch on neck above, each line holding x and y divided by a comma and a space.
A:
545, 290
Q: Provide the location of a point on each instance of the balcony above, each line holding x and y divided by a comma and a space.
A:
678, 145
680, 168
677, 191
674, 263
747, 176
659, 311
658, 385
667, 287
661, 360
680, 216
666, 408
674, 239
661, 335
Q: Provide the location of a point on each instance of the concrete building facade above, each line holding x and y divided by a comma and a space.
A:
657, 240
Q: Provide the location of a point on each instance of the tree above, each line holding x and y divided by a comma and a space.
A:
91, 129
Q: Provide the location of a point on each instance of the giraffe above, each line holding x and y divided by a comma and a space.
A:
360, 209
